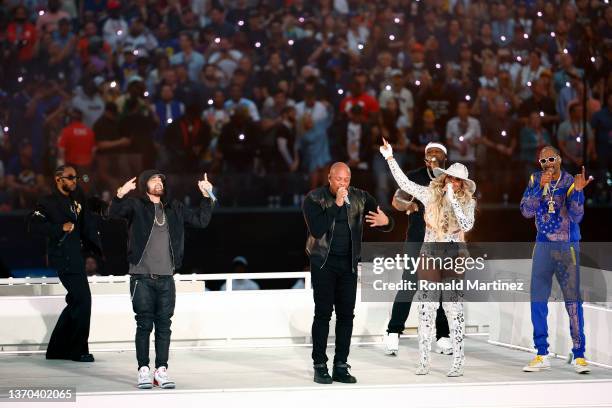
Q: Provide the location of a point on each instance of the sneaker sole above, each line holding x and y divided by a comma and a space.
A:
323, 381
344, 382
145, 386
391, 352
446, 352
166, 386
535, 370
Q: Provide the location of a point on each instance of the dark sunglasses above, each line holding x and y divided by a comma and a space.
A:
550, 159
71, 177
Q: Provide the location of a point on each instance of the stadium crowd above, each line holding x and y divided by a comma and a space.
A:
265, 95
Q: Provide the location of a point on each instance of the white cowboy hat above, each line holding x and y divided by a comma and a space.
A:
459, 171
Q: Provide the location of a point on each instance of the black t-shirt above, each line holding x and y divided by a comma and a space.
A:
545, 104
341, 241
107, 129
442, 102
283, 132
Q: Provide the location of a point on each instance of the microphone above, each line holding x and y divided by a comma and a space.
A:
346, 201
547, 185
211, 194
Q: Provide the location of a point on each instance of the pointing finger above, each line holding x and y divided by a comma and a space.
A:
205, 177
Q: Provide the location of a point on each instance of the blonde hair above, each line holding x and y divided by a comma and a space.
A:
439, 215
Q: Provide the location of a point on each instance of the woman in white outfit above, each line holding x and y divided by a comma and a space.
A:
449, 214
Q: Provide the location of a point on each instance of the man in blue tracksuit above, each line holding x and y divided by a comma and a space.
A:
556, 200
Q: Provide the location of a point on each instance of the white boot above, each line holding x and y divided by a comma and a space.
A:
454, 314
427, 322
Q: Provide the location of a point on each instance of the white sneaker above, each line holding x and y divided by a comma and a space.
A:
538, 363
160, 378
444, 346
144, 378
581, 366
391, 344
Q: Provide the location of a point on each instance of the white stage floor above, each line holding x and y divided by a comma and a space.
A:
283, 375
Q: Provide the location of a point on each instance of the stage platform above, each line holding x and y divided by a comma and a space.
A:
282, 376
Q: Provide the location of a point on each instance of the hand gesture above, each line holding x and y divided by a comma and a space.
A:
205, 186
546, 178
386, 150
580, 180
127, 187
68, 227
377, 219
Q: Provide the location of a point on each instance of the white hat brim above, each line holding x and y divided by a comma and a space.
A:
438, 172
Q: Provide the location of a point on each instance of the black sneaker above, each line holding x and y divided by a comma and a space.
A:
321, 375
341, 374
84, 358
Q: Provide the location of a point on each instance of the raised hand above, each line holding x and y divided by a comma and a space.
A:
386, 150
581, 181
205, 186
127, 187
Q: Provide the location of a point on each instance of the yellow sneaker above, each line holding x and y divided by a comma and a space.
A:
581, 366
538, 363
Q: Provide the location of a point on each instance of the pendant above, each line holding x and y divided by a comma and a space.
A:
551, 207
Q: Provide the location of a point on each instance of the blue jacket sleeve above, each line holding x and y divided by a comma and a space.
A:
532, 197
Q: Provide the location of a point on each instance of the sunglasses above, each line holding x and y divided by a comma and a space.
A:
551, 159
71, 177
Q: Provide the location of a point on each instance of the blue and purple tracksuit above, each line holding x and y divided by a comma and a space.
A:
556, 253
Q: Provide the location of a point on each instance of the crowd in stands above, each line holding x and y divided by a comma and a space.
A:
264, 95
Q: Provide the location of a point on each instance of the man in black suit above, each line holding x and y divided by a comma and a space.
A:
62, 218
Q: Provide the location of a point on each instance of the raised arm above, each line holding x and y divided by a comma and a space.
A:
120, 206
421, 193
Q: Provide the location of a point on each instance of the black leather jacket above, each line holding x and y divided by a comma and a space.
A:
320, 212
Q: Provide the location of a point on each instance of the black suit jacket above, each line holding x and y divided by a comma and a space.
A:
64, 250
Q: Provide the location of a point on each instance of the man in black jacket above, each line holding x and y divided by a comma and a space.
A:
435, 156
156, 237
62, 217
334, 216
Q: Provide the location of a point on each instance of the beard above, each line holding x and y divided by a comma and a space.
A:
156, 191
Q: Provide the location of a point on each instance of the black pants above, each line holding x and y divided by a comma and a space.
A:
71, 333
153, 302
334, 287
401, 309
